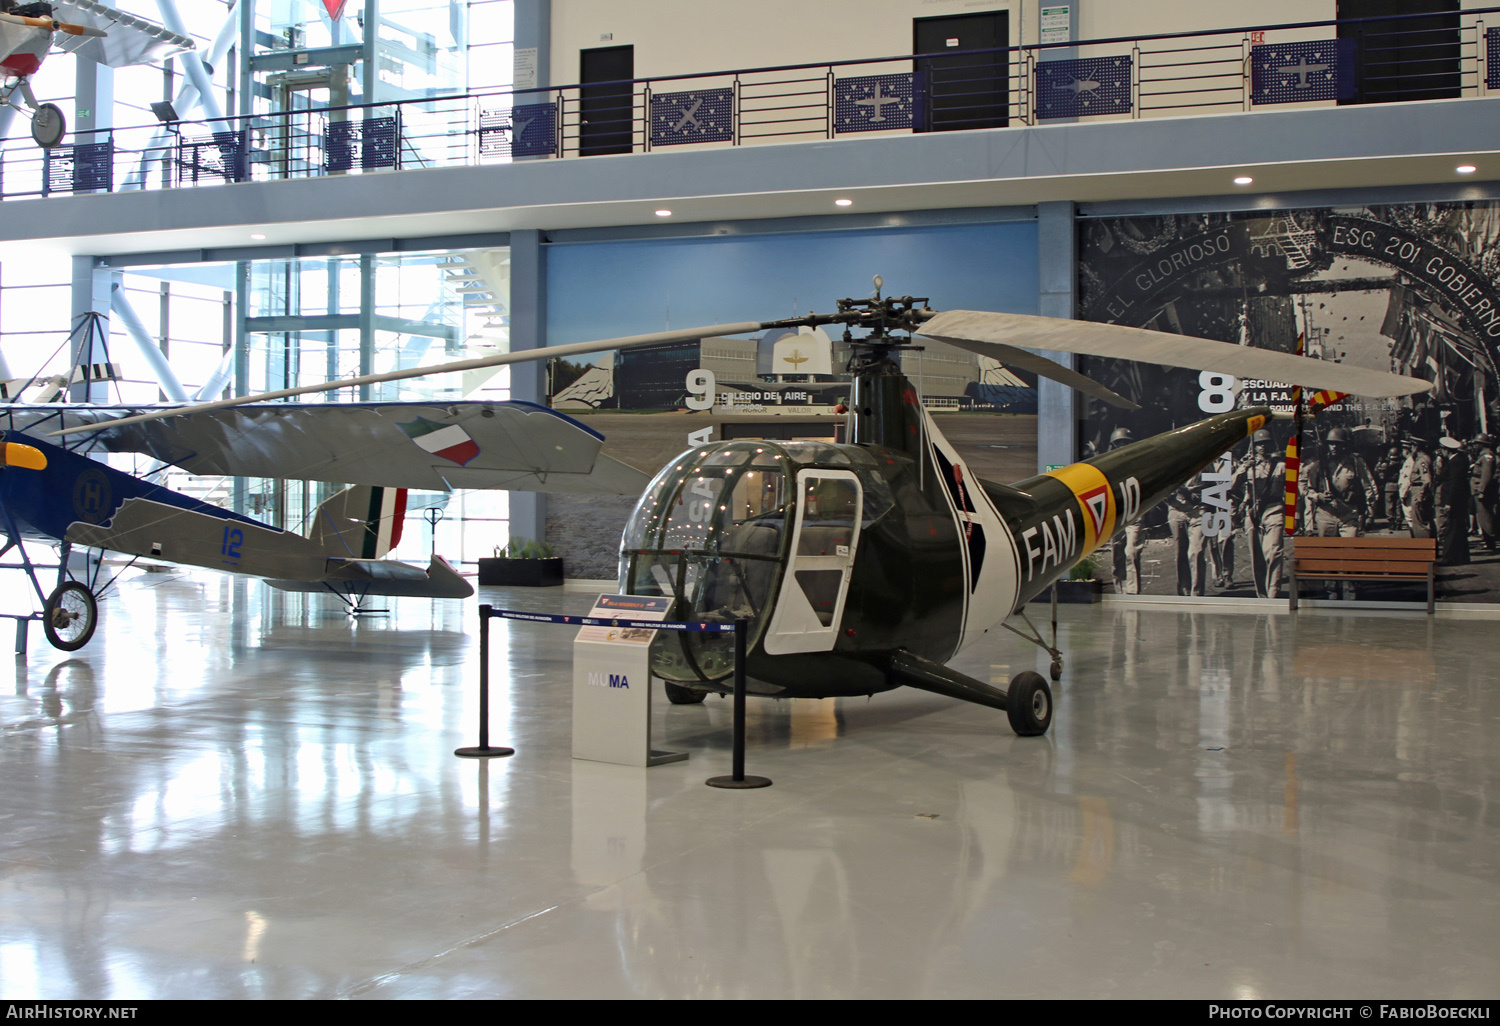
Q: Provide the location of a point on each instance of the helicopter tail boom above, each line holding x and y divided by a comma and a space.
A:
1083, 505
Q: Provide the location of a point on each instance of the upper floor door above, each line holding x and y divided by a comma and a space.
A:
958, 90
606, 101
1414, 58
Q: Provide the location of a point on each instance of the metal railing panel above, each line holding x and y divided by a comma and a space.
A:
1163, 75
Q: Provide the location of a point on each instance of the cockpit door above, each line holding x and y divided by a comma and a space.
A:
811, 604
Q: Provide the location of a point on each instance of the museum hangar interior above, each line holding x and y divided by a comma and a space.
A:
235, 791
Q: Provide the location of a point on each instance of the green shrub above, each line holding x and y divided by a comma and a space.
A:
525, 548
1084, 569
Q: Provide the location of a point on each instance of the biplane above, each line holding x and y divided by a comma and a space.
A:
93, 31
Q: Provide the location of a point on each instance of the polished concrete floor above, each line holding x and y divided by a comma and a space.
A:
235, 793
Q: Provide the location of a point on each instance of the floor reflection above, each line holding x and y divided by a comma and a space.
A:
237, 793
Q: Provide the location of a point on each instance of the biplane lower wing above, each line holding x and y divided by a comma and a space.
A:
429, 446
387, 577
141, 527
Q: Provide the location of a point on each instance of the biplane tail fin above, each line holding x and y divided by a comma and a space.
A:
362, 522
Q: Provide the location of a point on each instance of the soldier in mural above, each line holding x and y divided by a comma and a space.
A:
1338, 490
1185, 511
1127, 546
1259, 488
1408, 288
1485, 488
1415, 487
1388, 479
1451, 502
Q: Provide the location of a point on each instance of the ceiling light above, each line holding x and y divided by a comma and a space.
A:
257, 237
663, 213
1466, 169
843, 203
1243, 180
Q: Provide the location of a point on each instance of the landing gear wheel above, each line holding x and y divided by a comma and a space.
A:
1056, 670
679, 695
69, 616
48, 125
1028, 704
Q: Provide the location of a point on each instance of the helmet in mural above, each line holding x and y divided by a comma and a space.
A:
1262, 437
1121, 436
1338, 436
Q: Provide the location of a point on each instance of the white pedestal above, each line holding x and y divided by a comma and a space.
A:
612, 685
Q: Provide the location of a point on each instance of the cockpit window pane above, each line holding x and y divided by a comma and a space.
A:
830, 506
691, 521
725, 458
817, 452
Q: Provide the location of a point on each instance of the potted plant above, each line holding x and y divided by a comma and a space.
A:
1082, 584
523, 562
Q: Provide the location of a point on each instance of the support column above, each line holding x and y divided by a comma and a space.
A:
241, 361
366, 322
91, 292
528, 381
1058, 406
93, 101
533, 47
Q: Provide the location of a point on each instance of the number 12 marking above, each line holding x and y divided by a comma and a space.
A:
233, 539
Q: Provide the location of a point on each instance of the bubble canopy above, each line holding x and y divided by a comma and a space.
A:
714, 530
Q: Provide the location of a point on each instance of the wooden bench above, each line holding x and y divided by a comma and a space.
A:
1363, 559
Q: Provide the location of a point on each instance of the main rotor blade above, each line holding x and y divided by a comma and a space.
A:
576, 349
1115, 341
1038, 365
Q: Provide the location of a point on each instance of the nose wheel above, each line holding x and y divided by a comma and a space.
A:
1028, 704
679, 695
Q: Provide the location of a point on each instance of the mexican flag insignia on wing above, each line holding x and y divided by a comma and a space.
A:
449, 441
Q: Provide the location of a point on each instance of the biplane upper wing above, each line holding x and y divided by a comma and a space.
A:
429, 446
128, 38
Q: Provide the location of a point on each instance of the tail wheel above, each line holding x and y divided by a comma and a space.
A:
1028, 704
679, 695
69, 616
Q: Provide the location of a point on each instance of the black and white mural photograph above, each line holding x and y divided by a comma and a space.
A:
1409, 289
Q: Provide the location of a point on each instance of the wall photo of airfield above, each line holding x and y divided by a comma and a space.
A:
1411, 289
655, 402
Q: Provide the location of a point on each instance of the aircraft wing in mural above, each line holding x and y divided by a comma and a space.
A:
429, 446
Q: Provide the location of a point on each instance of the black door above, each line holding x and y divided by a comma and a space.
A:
1415, 58
606, 112
962, 90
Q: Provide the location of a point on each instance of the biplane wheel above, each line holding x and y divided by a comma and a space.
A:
69, 616
1028, 704
1056, 670
679, 695
48, 125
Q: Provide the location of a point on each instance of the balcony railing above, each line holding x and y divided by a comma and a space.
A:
1306, 64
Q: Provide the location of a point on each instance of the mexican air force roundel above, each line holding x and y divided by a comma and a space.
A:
450, 441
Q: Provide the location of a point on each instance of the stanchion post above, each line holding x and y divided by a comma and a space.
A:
483, 749
737, 778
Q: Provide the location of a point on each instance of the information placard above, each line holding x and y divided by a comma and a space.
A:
612, 683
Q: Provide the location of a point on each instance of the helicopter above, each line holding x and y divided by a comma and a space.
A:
866, 565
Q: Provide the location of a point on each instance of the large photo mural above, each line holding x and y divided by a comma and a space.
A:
1403, 288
